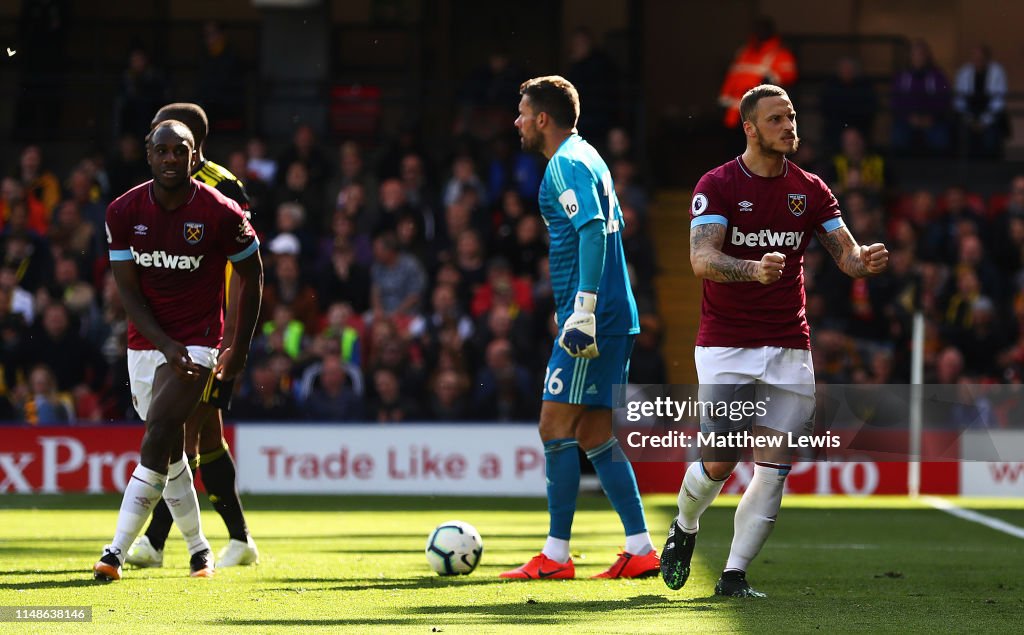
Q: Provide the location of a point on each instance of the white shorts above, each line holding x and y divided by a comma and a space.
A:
142, 367
778, 382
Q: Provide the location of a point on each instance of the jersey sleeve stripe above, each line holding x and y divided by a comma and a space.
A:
707, 220
245, 253
117, 255
556, 177
832, 224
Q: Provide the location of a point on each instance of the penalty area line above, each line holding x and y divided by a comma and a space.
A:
974, 517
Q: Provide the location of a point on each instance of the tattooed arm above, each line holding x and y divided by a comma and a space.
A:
856, 261
709, 262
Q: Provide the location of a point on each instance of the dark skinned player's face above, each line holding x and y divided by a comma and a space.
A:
170, 157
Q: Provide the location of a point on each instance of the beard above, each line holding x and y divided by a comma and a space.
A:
780, 147
532, 145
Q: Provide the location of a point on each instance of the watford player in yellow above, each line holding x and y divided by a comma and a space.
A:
204, 429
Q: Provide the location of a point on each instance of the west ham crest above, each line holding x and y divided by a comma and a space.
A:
797, 204
194, 231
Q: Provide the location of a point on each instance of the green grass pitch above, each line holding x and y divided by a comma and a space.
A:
356, 565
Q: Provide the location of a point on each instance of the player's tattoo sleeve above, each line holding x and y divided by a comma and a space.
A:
709, 262
845, 251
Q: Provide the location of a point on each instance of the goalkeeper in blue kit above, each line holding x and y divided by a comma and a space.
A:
598, 322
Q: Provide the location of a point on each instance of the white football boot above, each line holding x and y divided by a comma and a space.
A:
143, 554
239, 553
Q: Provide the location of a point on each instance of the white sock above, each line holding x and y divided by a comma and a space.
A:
181, 499
755, 515
556, 549
141, 493
696, 494
639, 544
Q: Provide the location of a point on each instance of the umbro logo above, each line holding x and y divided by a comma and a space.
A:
746, 206
140, 230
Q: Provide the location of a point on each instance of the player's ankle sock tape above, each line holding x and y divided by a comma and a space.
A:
696, 493
619, 483
213, 455
562, 469
219, 477
756, 513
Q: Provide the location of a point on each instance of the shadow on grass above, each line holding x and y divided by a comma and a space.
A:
53, 584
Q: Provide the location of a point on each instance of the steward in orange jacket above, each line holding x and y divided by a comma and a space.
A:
764, 60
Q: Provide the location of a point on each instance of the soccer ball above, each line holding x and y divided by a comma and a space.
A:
454, 548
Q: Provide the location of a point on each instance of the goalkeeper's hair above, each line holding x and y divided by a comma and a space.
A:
748, 105
192, 115
554, 95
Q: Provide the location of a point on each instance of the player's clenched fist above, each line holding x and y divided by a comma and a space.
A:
875, 257
770, 268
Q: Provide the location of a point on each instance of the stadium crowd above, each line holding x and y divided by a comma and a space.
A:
402, 286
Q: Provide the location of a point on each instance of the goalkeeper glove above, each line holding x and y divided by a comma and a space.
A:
579, 335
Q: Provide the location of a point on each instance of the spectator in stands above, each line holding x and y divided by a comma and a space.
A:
854, 167
639, 250
332, 397
949, 366
763, 59
464, 177
448, 400
485, 95
596, 77
29, 255
351, 170
619, 145
113, 346
290, 219
72, 235
511, 169
390, 404
920, 105
344, 279
55, 343
221, 88
627, 189
391, 206
42, 404
470, 260
267, 398
142, 92
980, 104
529, 246
91, 205
280, 333
848, 100
305, 150
421, 193
502, 288
397, 281
17, 202
504, 391
285, 285
298, 188
39, 182
19, 300
982, 341
128, 167
260, 165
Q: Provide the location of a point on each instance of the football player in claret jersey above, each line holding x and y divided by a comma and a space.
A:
598, 322
204, 430
751, 220
170, 239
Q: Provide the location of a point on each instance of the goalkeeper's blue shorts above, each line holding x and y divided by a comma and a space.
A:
589, 381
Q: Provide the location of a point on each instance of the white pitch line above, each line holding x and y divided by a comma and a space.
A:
975, 517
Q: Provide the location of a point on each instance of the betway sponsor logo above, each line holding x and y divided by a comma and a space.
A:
766, 238
163, 260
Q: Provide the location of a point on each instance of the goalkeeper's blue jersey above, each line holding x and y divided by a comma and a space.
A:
577, 188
